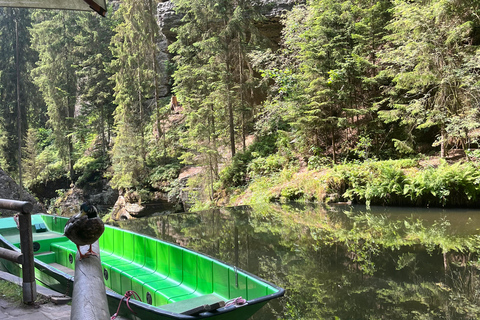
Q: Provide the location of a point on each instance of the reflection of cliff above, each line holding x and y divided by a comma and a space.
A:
338, 262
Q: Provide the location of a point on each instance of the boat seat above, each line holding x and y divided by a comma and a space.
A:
65, 245
195, 305
63, 250
162, 283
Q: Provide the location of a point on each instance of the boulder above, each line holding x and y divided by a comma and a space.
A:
9, 189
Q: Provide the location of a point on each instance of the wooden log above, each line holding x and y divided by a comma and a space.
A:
89, 299
20, 206
11, 255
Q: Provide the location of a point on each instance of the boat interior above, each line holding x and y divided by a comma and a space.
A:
161, 273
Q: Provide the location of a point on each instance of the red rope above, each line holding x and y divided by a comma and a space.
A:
127, 295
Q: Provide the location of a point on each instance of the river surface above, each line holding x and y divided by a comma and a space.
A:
342, 262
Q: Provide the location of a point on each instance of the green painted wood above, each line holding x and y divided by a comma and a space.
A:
195, 305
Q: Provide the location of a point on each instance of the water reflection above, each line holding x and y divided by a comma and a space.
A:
342, 262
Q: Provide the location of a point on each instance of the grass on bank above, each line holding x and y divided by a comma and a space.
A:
407, 182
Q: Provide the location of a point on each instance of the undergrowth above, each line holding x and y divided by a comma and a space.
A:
393, 182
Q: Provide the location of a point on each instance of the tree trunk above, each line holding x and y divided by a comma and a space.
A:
19, 111
334, 147
442, 142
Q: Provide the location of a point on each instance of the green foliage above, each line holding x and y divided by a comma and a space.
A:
432, 69
164, 173
363, 148
90, 169
351, 80
55, 75
235, 173
11, 291
447, 184
400, 182
265, 166
291, 193
135, 73
30, 102
317, 162
380, 181
214, 80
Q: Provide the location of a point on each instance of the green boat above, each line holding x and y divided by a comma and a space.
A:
172, 282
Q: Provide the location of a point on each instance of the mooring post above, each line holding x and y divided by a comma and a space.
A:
26, 245
28, 266
89, 298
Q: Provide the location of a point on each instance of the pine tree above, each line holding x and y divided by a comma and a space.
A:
93, 54
214, 77
31, 163
53, 37
431, 59
135, 76
12, 22
332, 73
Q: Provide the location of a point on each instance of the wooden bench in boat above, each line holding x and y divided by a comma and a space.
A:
196, 305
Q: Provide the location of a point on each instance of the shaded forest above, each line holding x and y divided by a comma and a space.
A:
349, 82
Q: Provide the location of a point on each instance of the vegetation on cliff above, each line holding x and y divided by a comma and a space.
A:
349, 84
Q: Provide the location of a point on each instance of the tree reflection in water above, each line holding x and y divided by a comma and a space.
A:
342, 262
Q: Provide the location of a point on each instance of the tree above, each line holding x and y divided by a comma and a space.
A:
96, 89
53, 38
135, 77
214, 78
332, 72
431, 58
31, 164
12, 22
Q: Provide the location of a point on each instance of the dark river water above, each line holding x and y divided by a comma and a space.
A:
342, 262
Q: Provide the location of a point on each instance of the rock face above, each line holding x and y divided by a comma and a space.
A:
273, 10
168, 20
9, 189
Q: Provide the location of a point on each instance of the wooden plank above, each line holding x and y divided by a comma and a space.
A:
195, 305
63, 268
84, 5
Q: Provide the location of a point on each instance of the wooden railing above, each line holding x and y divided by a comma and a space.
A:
25, 258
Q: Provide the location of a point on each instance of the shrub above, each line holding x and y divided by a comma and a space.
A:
167, 172
265, 166
235, 174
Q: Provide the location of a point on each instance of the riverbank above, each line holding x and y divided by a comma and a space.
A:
406, 182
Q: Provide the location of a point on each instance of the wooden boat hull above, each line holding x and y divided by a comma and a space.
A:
166, 276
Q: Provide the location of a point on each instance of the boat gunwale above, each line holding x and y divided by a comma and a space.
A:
142, 306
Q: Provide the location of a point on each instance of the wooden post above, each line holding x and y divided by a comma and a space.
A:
89, 299
26, 245
28, 266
